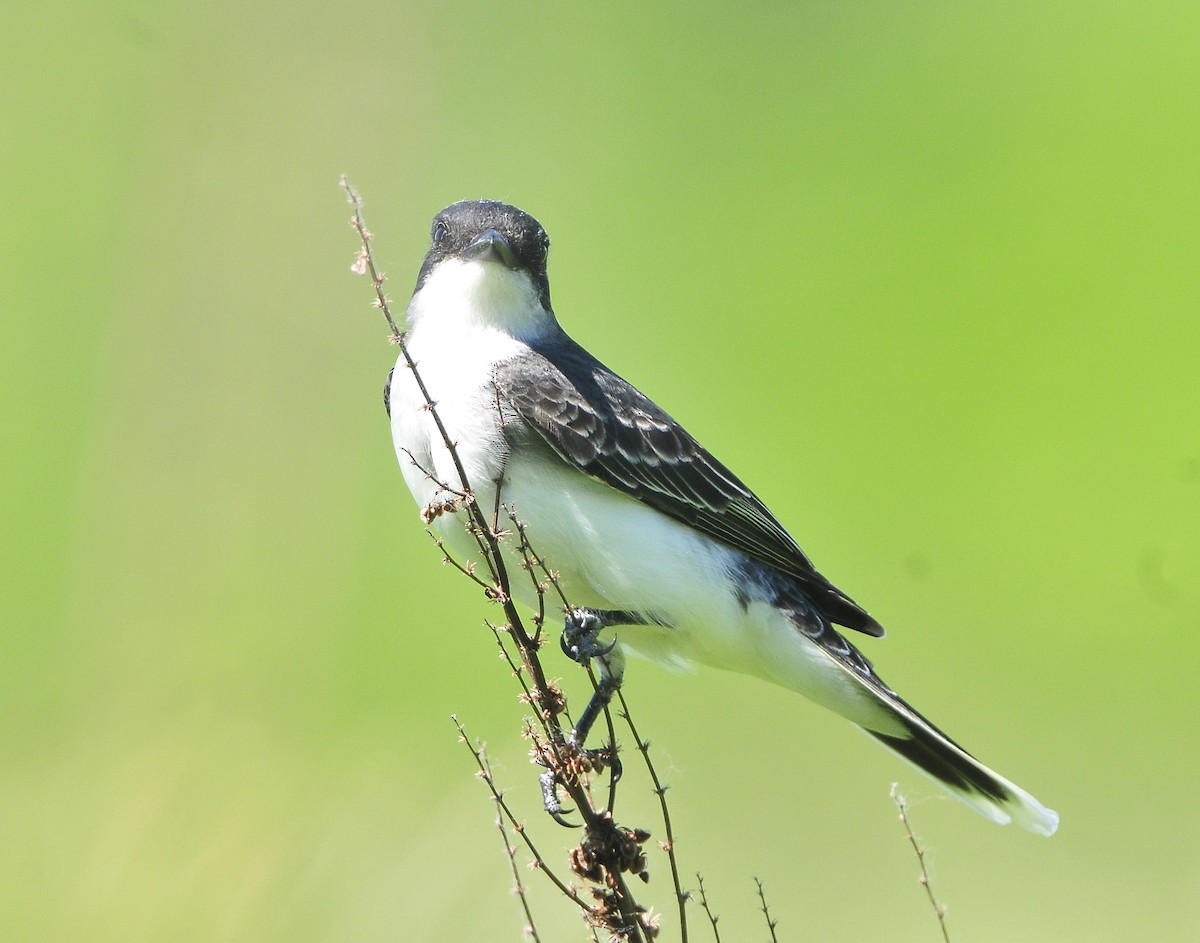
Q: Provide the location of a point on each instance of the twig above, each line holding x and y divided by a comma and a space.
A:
510, 852
771, 924
487, 538
938, 910
364, 263
712, 917
498, 797
528, 696
530, 563
538, 562
466, 569
668, 845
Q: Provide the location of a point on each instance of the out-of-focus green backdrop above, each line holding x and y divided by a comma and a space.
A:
927, 277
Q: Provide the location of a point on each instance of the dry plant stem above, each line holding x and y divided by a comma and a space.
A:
498, 797
530, 563
527, 694
536, 561
643, 747
486, 535
766, 911
518, 671
938, 910
712, 917
366, 263
466, 571
627, 906
510, 852
633, 925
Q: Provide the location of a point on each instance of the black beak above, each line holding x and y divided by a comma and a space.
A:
491, 246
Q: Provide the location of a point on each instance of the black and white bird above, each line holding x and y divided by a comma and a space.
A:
646, 529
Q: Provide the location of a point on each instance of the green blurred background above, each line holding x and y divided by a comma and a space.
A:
948, 256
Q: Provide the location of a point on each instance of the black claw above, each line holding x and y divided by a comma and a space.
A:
580, 638
566, 645
615, 769
583, 648
605, 649
550, 800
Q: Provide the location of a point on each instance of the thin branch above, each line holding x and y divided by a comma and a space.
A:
528, 696
712, 917
466, 569
530, 563
551, 576
441, 485
518, 827
365, 263
487, 538
938, 910
643, 747
766, 912
510, 852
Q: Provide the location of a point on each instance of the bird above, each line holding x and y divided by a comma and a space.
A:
661, 549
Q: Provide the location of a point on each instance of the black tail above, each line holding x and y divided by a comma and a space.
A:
939, 757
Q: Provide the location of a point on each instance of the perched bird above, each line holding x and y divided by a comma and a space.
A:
647, 530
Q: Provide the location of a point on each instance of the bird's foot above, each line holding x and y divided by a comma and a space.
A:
571, 762
580, 639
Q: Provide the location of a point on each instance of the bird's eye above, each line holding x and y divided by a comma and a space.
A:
441, 232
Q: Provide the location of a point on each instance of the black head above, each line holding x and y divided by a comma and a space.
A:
490, 231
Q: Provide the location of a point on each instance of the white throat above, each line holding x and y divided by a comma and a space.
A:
466, 296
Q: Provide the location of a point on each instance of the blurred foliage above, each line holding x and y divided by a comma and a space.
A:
926, 276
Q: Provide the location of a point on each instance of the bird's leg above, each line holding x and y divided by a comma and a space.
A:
580, 641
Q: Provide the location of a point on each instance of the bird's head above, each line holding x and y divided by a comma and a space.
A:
486, 265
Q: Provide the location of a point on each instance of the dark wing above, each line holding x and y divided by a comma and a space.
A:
598, 422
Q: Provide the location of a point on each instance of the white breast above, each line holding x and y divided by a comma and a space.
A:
467, 317
459, 382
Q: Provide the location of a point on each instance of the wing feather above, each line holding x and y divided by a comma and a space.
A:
596, 421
